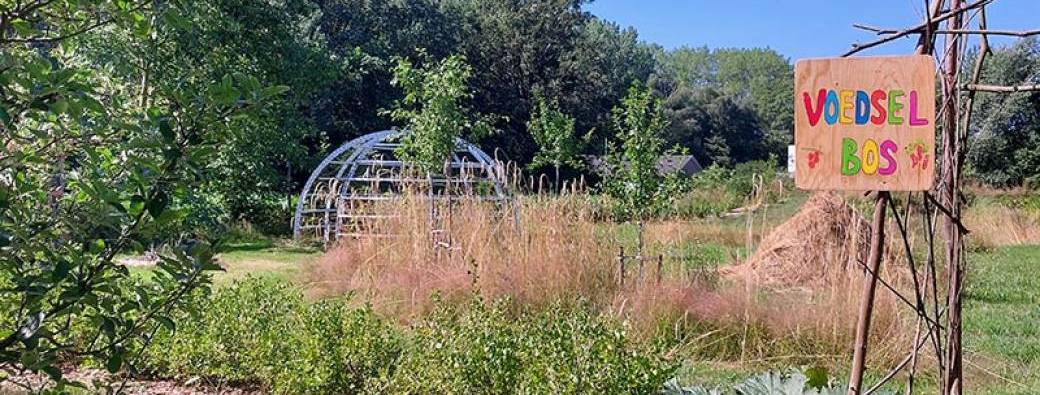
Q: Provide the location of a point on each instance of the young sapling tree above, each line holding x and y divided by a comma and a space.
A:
553, 131
635, 185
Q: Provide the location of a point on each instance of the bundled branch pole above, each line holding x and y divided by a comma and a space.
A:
949, 192
955, 119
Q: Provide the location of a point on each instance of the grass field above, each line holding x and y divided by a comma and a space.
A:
1002, 320
264, 258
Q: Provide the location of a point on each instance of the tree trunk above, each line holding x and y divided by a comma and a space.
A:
557, 183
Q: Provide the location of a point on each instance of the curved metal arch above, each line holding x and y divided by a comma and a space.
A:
358, 149
309, 185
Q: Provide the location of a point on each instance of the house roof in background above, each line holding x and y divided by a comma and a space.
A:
686, 164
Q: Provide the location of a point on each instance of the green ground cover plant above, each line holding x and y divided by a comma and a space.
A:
264, 332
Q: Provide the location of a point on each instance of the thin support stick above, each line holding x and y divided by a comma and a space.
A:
660, 266
931, 280
936, 18
913, 362
877, 247
621, 267
1001, 88
910, 358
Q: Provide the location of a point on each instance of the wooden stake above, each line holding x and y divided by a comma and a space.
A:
639, 251
877, 234
621, 267
877, 248
660, 266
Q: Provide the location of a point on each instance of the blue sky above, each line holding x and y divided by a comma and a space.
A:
795, 28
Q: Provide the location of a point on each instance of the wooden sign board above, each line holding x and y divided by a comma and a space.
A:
865, 123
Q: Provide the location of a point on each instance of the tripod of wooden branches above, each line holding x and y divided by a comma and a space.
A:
937, 307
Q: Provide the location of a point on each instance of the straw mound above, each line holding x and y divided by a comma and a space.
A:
815, 247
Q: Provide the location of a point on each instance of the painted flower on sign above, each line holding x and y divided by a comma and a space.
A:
814, 158
919, 156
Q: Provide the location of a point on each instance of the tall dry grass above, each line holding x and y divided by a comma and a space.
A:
552, 253
996, 225
562, 250
797, 296
747, 322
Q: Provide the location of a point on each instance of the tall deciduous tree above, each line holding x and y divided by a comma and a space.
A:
761, 78
714, 127
1004, 150
364, 37
518, 49
739, 99
205, 40
606, 63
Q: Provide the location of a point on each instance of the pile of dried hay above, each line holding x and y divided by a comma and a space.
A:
817, 246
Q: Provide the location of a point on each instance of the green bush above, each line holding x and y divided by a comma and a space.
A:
560, 349
705, 202
264, 332
701, 260
743, 177
1028, 202
717, 189
814, 381
268, 213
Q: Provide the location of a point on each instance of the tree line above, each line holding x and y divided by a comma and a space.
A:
337, 59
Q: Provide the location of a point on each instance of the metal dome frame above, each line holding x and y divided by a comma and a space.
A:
360, 162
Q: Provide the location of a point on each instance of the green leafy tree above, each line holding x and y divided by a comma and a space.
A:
715, 128
736, 99
763, 80
554, 132
691, 67
607, 61
634, 183
435, 111
252, 170
518, 49
88, 173
365, 37
1004, 146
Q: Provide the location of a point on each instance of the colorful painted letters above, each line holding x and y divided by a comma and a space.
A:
835, 106
878, 107
869, 160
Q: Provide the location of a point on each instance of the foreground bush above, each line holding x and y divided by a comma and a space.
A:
811, 382
264, 332
560, 349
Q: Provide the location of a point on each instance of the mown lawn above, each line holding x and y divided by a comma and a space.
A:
264, 258
1002, 321
282, 261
